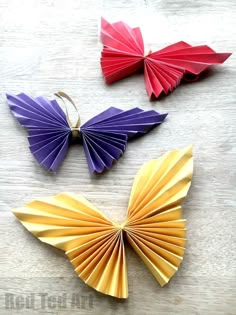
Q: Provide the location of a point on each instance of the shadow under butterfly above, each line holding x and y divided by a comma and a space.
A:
104, 137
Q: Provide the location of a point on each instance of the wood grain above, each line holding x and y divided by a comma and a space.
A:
46, 46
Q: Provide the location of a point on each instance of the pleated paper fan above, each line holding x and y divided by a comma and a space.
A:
123, 54
154, 226
104, 137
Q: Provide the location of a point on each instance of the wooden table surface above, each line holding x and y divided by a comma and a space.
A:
46, 46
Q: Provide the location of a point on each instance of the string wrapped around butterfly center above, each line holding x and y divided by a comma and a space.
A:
75, 132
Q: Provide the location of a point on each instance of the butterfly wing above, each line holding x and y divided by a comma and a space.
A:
123, 50
48, 129
92, 243
154, 226
164, 69
105, 136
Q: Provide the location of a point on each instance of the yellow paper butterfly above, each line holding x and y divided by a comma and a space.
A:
95, 245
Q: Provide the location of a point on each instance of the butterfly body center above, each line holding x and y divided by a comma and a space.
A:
121, 227
75, 133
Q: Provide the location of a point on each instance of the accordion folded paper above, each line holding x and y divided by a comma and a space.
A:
104, 137
123, 54
96, 246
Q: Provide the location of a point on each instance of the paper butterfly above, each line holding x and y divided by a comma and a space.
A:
96, 246
104, 137
123, 54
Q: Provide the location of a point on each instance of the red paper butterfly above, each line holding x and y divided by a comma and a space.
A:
123, 54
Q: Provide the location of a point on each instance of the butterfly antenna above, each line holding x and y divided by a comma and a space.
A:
62, 96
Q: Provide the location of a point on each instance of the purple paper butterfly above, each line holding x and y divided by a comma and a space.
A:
103, 137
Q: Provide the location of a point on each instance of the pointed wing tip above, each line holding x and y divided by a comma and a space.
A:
15, 211
94, 171
98, 171
161, 117
227, 55
222, 57
52, 170
67, 193
10, 95
188, 150
103, 19
104, 22
164, 115
117, 295
124, 296
153, 95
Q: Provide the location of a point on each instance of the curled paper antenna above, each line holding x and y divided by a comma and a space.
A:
62, 96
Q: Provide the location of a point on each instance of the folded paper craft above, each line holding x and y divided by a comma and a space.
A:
104, 137
96, 246
123, 54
